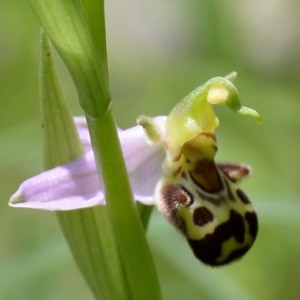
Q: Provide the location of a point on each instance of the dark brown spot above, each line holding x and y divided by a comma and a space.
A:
208, 249
252, 220
237, 226
242, 196
202, 216
206, 176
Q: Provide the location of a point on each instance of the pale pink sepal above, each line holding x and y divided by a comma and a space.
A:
76, 184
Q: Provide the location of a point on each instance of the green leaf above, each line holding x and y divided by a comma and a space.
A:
95, 15
88, 232
68, 28
91, 240
61, 142
145, 212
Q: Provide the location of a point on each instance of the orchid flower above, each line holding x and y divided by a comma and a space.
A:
76, 184
170, 162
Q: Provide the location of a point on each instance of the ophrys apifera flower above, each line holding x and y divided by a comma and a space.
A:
171, 163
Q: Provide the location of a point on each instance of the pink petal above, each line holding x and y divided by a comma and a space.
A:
71, 186
76, 184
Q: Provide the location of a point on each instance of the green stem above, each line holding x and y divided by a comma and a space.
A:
126, 223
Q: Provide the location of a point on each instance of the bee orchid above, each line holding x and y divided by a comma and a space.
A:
171, 163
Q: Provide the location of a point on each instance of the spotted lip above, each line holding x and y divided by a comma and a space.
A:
209, 248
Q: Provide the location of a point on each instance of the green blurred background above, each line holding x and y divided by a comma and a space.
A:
158, 52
